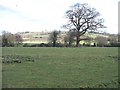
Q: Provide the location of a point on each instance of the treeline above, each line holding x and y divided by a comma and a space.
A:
69, 40
11, 40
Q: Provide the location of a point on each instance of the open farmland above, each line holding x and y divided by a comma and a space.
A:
43, 37
60, 67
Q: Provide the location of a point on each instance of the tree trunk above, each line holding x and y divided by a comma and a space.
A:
77, 41
54, 43
70, 43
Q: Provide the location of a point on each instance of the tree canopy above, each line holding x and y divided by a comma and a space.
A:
83, 18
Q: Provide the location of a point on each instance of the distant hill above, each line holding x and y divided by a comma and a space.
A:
43, 37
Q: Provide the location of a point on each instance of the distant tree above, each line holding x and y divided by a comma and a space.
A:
118, 37
18, 39
0, 41
101, 41
113, 39
69, 38
27, 32
83, 18
4, 38
54, 37
9, 39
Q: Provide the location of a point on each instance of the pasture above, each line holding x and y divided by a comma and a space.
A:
34, 67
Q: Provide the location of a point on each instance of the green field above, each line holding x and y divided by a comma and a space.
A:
60, 67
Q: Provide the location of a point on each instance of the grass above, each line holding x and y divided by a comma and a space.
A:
62, 68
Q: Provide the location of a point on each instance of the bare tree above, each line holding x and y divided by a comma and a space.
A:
113, 39
9, 39
101, 41
18, 39
4, 39
69, 38
54, 37
83, 18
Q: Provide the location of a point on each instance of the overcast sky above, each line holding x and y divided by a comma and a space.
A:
41, 15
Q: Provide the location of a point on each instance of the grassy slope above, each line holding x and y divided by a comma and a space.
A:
62, 67
46, 36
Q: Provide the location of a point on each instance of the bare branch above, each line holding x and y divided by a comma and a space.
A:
83, 18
